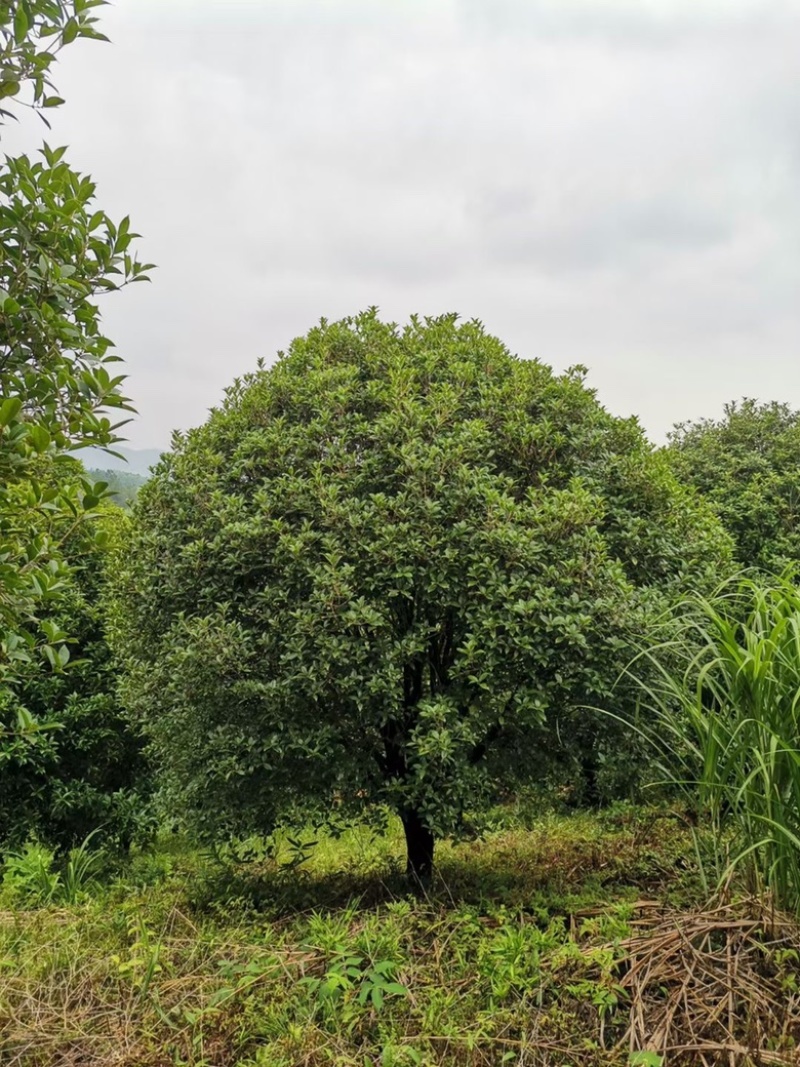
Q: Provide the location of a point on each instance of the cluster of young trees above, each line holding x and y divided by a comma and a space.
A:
395, 571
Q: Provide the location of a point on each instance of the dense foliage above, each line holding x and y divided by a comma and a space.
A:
388, 571
58, 387
85, 774
747, 465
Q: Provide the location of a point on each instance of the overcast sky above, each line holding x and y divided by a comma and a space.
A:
609, 182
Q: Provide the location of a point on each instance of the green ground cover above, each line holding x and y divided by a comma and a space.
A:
515, 956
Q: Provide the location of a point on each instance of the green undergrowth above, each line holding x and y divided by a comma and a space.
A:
183, 958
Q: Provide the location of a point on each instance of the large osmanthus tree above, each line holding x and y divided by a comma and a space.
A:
387, 572
59, 389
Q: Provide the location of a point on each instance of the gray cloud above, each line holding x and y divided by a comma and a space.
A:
655, 24
614, 184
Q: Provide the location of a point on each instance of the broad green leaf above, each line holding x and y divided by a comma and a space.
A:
9, 409
39, 437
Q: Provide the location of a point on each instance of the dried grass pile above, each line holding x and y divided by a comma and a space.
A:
714, 987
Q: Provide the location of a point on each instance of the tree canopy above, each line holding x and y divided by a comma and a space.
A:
747, 465
59, 389
388, 571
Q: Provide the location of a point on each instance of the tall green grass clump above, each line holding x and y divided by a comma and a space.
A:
725, 701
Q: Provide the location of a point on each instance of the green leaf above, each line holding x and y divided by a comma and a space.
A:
9, 409
396, 989
25, 721
39, 437
20, 23
70, 31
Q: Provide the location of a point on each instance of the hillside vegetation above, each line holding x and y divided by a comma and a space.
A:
122, 485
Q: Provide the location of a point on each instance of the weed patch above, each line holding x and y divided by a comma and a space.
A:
532, 948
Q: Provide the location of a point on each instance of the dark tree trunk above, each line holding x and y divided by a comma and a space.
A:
592, 797
419, 848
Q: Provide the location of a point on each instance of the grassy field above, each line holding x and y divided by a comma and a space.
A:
571, 939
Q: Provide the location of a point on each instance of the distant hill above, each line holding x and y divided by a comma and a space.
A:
123, 485
139, 460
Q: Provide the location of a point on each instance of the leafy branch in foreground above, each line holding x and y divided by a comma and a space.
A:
32, 33
59, 390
